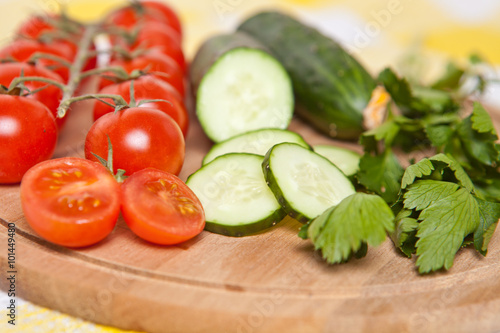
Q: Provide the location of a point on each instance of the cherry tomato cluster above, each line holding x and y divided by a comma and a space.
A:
148, 40
140, 123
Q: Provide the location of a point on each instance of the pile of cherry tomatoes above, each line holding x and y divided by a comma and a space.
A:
140, 122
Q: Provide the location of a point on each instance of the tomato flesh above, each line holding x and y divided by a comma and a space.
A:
160, 208
70, 201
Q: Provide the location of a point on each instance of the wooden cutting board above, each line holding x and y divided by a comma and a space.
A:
270, 282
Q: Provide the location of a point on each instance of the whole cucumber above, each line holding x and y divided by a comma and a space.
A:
331, 87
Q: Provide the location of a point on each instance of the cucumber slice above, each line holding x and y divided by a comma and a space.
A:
235, 196
304, 182
345, 159
245, 89
254, 142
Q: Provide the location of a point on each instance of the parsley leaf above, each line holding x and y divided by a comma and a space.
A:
439, 135
381, 174
437, 166
424, 193
489, 213
415, 101
404, 234
419, 170
488, 188
450, 79
345, 229
479, 149
436, 101
401, 93
481, 121
303, 231
444, 225
473, 142
386, 132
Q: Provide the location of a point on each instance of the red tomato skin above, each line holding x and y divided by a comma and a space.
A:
49, 96
55, 215
148, 87
141, 138
35, 26
159, 208
154, 11
154, 63
28, 135
172, 17
21, 50
158, 36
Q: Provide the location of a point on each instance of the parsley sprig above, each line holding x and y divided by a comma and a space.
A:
444, 201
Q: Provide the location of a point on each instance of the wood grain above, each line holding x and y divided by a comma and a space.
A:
270, 282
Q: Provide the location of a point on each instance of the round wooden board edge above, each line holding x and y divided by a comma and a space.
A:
125, 300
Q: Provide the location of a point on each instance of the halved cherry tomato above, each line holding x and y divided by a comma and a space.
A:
28, 135
160, 208
154, 63
70, 201
148, 87
141, 138
155, 35
21, 50
49, 96
145, 11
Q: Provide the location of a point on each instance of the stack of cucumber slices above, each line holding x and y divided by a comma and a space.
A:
258, 172
248, 183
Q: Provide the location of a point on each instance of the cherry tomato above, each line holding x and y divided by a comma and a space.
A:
155, 35
28, 135
160, 208
141, 138
70, 201
148, 87
22, 50
155, 63
40, 27
156, 11
37, 25
49, 96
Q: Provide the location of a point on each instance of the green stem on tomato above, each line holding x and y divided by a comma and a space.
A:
22, 79
119, 101
108, 164
40, 55
116, 70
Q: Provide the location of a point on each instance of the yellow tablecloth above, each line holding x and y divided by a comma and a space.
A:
378, 32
